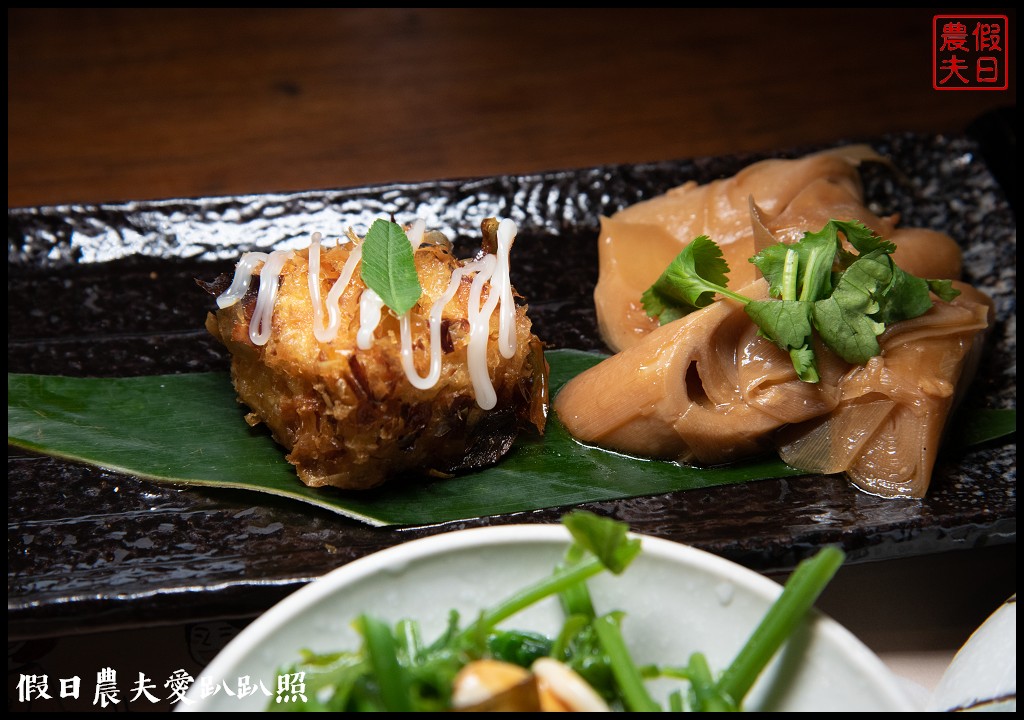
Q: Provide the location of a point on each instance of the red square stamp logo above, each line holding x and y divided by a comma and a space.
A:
970, 52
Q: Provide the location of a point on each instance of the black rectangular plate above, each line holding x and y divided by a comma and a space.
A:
108, 290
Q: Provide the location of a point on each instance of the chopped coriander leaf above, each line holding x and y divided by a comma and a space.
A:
805, 363
690, 282
816, 285
860, 236
944, 289
907, 296
844, 320
809, 277
787, 323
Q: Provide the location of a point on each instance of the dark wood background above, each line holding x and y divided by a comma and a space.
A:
108, 105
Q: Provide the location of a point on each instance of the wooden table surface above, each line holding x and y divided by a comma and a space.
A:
110, 105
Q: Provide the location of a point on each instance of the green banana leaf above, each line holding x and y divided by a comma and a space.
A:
189, 430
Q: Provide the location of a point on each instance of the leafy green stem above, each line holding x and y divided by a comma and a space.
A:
798, 596
575, 599
526, 597
789, 274
627, 675
391, 676
706, 695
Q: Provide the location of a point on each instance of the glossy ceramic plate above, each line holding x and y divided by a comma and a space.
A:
109, 290
677, 600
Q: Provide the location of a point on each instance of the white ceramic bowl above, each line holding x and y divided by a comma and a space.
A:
983, 674
677, 600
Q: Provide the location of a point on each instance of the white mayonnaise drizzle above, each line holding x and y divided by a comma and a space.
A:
370, 305
503, 279
479, 331
415, 234
260, 325
313, 282
405, 324
242, 280
330, 331
492, 269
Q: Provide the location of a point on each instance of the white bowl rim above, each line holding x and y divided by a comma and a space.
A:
253, 635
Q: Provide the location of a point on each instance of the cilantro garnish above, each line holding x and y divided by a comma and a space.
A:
388, 266
848, 298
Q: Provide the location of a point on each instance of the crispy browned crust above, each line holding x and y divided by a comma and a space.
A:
349, 417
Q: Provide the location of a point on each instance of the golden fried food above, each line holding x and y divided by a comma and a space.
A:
358, 394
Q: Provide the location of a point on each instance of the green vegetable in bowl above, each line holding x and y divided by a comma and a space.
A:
479, 666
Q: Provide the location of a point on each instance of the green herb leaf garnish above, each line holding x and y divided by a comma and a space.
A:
690, 282
603, 537
388, 266
817, 285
